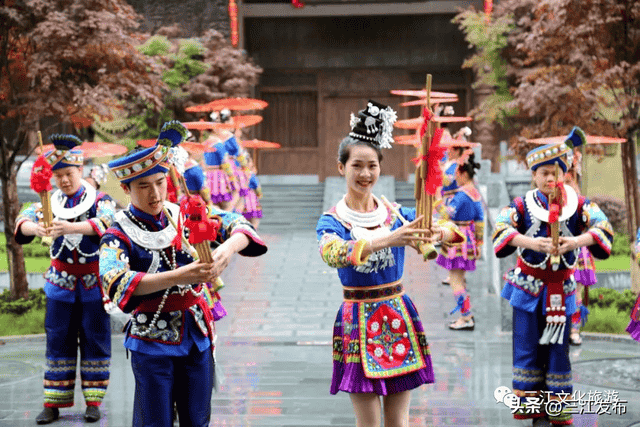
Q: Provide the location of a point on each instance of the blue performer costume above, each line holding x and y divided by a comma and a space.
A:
171, 333
379, 345
634, 324
75, 315
543, 296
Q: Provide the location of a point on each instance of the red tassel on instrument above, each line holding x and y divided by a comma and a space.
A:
434, 173
557, 203
200, 226
41, 174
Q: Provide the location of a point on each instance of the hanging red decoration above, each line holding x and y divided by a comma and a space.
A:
233, 16
41, 174
297, 4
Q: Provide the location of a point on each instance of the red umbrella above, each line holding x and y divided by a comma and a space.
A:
237, 104
235, 122
591, 139
433, 101
93, 149
146, 143
414, 139
423, 93
416, 122
255, 143
193, 147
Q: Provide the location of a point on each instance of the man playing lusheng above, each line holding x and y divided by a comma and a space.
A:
541, 288
171, 331
75, 315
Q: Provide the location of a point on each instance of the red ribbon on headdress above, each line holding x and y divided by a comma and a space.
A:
432, 157
41, 174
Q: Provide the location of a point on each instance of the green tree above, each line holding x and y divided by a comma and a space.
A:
60, 58
573, 62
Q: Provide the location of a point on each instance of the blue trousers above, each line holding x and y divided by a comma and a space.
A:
162, 380
69, 326
535, 366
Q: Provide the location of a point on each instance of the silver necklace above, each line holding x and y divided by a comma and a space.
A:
172, 265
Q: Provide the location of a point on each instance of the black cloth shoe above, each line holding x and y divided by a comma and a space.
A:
48, 415
92, 414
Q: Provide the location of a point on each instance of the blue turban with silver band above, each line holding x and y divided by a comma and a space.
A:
64, 153
561, 153
141, 163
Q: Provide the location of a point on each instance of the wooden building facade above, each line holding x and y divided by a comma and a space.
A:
324, 61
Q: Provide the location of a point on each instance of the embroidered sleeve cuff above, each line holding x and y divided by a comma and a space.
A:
458, 235
602, 248
256, 246
356, 252
339, 253
501, 239
22, 239
98, 226
124, 294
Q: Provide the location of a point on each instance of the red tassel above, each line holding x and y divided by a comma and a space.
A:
434, 173
41, 174
297, 4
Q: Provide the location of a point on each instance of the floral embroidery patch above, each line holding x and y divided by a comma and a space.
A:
388, 343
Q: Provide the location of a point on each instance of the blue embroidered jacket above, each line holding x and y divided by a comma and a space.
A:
72, 253
529, 216
127, 253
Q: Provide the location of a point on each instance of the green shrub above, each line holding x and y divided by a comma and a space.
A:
621, 244
36, 300
28, 323
606, 320
605, 299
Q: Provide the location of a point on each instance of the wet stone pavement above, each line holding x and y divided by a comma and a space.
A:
274, 353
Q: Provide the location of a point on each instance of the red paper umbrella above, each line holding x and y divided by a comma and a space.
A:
193, 147
407, 140
413, 139
93, 149
416, 122
235, 122
591, 139
447, 100
237, 104
146, 143
255, 143
451, 119
423, 93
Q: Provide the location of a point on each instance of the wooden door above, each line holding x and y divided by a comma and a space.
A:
337, 112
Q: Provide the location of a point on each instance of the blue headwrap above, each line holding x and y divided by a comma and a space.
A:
561, 153
64, 153
141, 163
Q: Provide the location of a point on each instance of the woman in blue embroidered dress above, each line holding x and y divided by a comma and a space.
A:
634, 323
379, 346
464, 208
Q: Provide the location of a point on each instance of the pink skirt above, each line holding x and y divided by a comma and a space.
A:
219, 186
461, 256
252, 207
585, 272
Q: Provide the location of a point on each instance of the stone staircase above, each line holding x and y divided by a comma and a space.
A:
404, 194
290, 205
